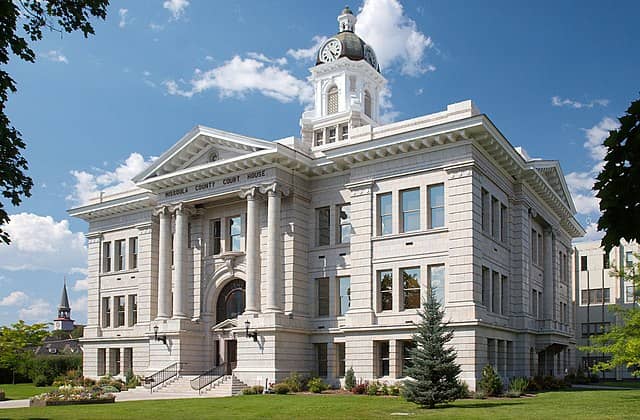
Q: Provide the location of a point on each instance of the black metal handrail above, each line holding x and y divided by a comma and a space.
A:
162, 376
208, 377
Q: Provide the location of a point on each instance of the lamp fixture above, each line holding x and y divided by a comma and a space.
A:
162, 338
253, 334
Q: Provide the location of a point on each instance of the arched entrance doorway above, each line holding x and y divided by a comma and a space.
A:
230, 304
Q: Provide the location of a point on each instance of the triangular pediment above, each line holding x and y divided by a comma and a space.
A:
227, 324
551, 172
201, 147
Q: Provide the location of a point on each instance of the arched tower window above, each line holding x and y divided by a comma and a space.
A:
231, 301
332, 100
367, 103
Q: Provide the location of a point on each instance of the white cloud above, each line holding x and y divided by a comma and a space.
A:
596, 136
38, 311
593, 234
123, 17
79, 307
419, 92
88, 185
41, 243
558, 101
387, 114
16, 298
176, 7
155, 27
308, 53
81, 285
239, 76
56, 56
394, 37
261, 57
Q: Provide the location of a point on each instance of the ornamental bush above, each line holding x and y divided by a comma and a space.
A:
281, 388
518, 386
296, 382
349, 379
490, 384
317, 385
359, 389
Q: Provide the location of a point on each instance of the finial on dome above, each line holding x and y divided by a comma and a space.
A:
346, 20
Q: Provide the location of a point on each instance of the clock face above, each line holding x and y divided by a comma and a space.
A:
330, 51
370, 56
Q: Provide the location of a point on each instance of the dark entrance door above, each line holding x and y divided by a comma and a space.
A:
232, 355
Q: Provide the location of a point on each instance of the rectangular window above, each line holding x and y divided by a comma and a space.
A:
605, 261
436, 205
320, 350
340, 356
540, 249
114, 362
629, 295
119, 254
332, 135
436, 282
385, 214
383, 358
505, 296
495, 292
323, 226
128, 359
319, 138
486, 211
106, 257
410, 287
344, 223
495, 218
486, 288
534, 246
344, 135
583, 263
102, 362
385, 279
595, 296
503, 223
235, 233
119, 304
407, 346
410, 210
344, 284
215, 230
594, 328
106, 312
534, 303
133, 253
322, 295
133, 310
629, 258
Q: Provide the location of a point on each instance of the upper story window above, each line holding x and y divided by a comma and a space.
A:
235, 233
344, 284
344, 224
605, 260
119, 304
322, 296
628, 256
367, 103
332, 100
344, 132
495, 218
385, 214
436, 205
595, 296
436, 282
410, 202
319, 137
133, 253
106, 312
583, 263
323, 226
503, 223
119, 254
486, 211
331, 135
133, 310
385, 279
215, 240
106, 257
410, 287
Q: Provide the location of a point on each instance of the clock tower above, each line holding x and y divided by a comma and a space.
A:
347, 84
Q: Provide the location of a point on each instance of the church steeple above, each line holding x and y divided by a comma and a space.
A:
64, 321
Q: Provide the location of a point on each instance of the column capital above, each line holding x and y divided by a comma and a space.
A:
182, 208
250, 193
274, 188
162, 210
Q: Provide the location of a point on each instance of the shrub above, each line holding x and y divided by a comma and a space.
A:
519, 386
88, 382
296, 382
546, 383
317, 385
54, 366
349, 379
463, 390
109, 389
359, 389
281, 388
479, 395
372, 388
258, 389
41, 380
248, 391
393, 390
490, 384
133, 381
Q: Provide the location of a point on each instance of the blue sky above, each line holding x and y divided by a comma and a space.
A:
553, 76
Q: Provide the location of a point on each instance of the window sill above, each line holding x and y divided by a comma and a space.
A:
409, 234
120, 273
330, 247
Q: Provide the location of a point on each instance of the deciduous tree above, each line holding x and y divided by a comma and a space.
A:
31, 16
17, 343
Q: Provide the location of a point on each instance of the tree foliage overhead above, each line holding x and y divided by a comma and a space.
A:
622, 341
17, 343
22, 21
433, 364
618, 185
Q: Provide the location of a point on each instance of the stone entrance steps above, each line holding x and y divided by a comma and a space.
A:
180, 387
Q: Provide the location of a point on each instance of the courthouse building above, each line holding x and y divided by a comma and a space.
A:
313, 253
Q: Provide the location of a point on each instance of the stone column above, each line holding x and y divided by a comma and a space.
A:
274, 259
251, 250
164, 265
123, 361
179, 263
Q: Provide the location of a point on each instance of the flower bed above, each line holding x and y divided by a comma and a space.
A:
72, 395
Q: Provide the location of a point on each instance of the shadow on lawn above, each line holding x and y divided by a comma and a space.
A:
480, 404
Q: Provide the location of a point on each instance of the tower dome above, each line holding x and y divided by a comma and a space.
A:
347, 44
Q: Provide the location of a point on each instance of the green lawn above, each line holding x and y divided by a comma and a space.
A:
566, 404
22, 391
622, 384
